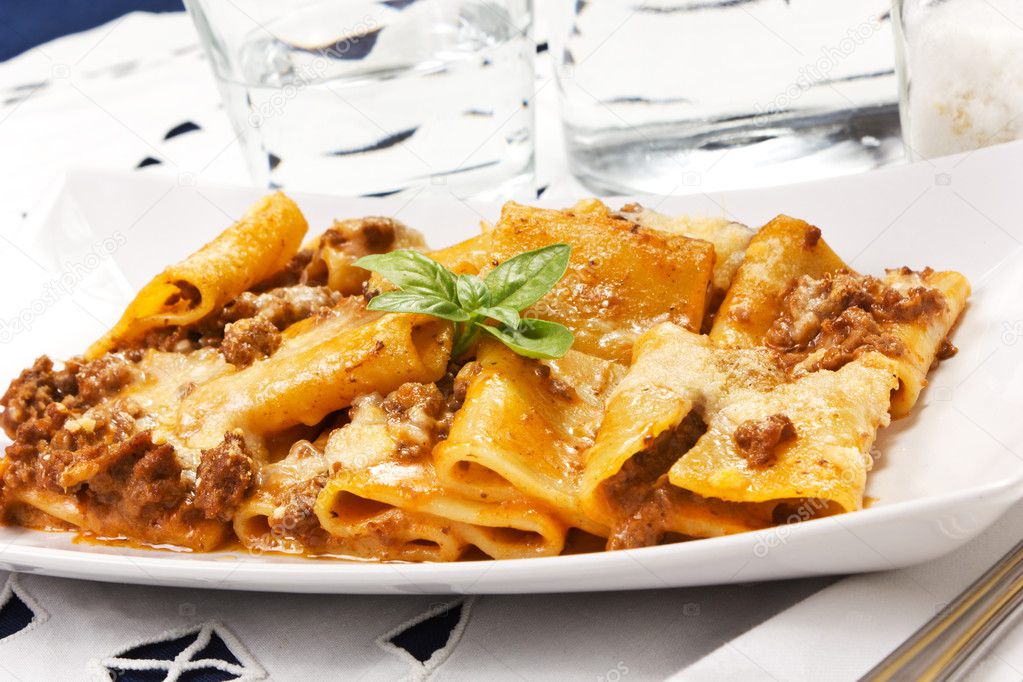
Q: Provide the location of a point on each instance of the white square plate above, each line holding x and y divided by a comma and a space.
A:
941, 476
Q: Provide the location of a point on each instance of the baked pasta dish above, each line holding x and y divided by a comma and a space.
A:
565, 380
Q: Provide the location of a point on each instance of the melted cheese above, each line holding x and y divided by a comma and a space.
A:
622, 279
318, 370
836, 416
167, 378
729, 238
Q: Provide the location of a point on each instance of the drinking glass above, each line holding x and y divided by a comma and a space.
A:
362, 97
665, 96
961, 74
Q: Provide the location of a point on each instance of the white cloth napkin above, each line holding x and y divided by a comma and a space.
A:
842, 631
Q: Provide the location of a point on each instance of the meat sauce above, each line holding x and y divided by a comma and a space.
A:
836, 318
845, 315
74, 435
640, 489
758, 438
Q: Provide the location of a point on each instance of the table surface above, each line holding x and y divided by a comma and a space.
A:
136, 93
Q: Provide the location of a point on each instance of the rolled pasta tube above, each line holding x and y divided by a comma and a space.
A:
316, 372
258, 245
783, 249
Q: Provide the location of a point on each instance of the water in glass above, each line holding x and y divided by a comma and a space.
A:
353, 97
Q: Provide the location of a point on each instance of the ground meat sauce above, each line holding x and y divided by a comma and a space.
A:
374, 234
295, 516
74, 436
248, 340
223, 478
846, 315
812, 237
417, 418
103, 377
641, 489
758, 438
130, 474
851, 334
290, 275
356, 238
78, 385
33, 391
455, 383
186, 292
280, 308
647, 524
946, 350
143, 482
28, 464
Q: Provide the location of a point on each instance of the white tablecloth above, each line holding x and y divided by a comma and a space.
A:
109, 97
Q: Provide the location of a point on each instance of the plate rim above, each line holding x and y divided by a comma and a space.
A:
998, 494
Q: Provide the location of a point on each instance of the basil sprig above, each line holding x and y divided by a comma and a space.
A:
425, 286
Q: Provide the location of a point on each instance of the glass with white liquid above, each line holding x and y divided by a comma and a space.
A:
674, 96
359, 97
961, 74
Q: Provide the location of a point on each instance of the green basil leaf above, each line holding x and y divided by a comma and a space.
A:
412, 271
509, 317
412, 302
472, 292
534, 338
521, 281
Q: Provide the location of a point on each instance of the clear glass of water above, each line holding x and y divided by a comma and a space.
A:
669, 96
360, 97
